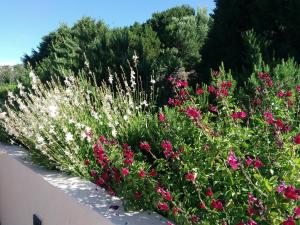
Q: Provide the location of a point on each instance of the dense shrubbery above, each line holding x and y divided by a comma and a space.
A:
274, 22
205, 158
166, 42
9, 77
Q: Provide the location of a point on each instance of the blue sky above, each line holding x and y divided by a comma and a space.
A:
24, 23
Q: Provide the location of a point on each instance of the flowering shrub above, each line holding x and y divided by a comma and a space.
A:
205, 158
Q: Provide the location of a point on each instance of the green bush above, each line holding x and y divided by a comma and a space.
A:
204, 158
4, 89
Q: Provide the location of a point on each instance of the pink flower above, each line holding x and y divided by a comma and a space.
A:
181, 83
258, 164
239, 115
263, 75
242, 114
145, 146
169, 223
98, 150
183, 93
249, 161
269, 117
279, 123
251, 210
163, 206
177, 102
241, 223
298, 88
190, 176
252, 222
100, 181
213, 108
270, 83
170, 78
128, 161
111, 191
211, 89
128, 155
251, 199
281, 187
232, 160
175, 211
86, 162
199, 91
195, 219
161, 117
257, 101
288, 93
167, 145
137, 195
117, 176
281, 94
291, 193
297, 211
297, 139
102, 139
224, 92
93, 173
105, 176
227, 84
171, 101
202, 205
125, 171
165, 194
152, 173
234, 115
216, 204
168, 148
209, 192
142, 173
289, 221
193, 113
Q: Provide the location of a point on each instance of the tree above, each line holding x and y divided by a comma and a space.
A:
182, 34
275, 21
169, 40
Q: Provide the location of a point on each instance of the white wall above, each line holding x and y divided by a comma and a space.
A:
57, 199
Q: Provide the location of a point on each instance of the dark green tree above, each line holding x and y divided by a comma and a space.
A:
182, 33
168, 41
275, 21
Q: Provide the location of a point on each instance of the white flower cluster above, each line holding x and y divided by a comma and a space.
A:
63, 121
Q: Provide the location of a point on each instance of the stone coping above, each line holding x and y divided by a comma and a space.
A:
86, 193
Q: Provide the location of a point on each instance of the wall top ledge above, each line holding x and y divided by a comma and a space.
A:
85, 193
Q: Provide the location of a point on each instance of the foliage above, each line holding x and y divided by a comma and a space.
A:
4, 89
10, 74
9, 77
274, 21
182, 34
168, 41
202, 159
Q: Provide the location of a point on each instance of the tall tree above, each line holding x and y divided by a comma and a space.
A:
275, 21
168, 41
